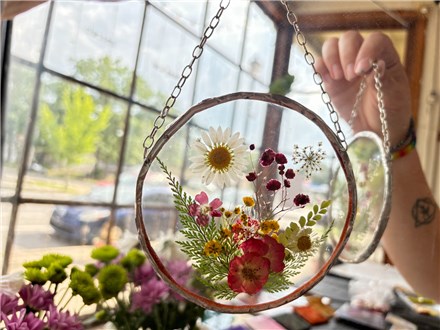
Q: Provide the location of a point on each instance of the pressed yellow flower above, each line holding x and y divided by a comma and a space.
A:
248, 201
304, 243
226, 232
212, 248
244, 217
237, 210
269, 226
227, 214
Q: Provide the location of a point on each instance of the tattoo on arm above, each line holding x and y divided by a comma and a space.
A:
423, 211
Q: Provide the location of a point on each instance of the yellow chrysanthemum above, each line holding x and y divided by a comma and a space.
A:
212, 248
220, 157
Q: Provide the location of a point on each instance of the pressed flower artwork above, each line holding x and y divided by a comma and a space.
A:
247, 248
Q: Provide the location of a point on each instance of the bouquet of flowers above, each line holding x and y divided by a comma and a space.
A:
122, 289
244, 248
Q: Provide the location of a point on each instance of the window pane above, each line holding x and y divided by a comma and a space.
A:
20, 90
27, 35
77, 143
216, 76
228, 35
166, 49
188, 13
259, 45
95, 42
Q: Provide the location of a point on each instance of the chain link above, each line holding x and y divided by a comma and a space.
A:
359, 95
382, 111
317, 78
186, 72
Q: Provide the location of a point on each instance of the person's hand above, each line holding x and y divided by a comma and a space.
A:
345, 60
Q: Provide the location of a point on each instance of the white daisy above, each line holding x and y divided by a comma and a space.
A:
220, 157
300, 240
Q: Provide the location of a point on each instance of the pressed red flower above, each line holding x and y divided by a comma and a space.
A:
202, 220
290, 174
254, 245
252, 176
267, 157
273, 185
280, 158
301, 200
286, 183
248, 273
275, 254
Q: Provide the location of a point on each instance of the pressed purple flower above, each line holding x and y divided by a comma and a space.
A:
280, 158
273, 185
23, 321
286, 183
36, 297
252, 176
252, 147
63, 320
143, 273
150, 294
290, 174
301, 200
267, 157
8, 304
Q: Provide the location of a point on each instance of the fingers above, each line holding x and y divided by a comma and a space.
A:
351, 55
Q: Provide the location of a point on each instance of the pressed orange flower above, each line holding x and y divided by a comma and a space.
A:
248, 201
269, 226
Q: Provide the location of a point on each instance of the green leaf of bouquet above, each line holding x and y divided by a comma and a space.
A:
309, 215
311, 223
317, 217
315, 209
323, 211
302, 221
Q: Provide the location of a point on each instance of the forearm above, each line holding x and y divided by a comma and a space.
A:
412, 237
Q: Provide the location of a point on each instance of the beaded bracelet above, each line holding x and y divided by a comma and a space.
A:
405, 146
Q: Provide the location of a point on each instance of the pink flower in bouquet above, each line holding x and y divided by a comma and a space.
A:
62, 320
8, 304
150, 294
23, 321
36, 297
143, 273
254, 245
248, 273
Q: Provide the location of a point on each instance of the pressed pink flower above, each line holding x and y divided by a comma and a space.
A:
8, 304
63, 320
252, 176
267, 157
301, 200
290, 174
150, 294
275, 254
273, 185
203, 208
280, 158
22, 321
35, 297
248, 273
254, 245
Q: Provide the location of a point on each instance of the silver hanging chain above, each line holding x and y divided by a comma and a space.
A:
382, 111
380, 105
317, 78
186, 72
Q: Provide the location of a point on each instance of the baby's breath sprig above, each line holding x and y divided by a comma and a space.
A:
309, 158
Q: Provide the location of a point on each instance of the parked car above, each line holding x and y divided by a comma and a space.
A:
83, 224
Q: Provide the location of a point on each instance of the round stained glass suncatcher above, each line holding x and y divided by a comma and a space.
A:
248, 219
